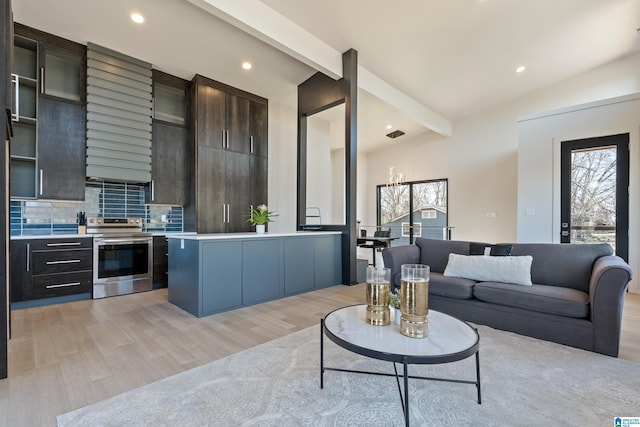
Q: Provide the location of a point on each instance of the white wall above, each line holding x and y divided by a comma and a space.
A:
481, 158
539, 181
282, 167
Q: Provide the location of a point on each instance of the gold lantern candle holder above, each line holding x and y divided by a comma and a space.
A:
378, 288
414, 300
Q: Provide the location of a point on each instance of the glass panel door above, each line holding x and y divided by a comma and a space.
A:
394, 207
429, 217
594, 191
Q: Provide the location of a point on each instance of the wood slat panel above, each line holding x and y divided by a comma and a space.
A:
118, 113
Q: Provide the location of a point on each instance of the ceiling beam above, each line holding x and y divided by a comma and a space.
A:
264, 23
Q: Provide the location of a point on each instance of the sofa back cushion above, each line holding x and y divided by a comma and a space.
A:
568, 265
435, 253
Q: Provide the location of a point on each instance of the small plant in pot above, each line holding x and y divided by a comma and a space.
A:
260, 216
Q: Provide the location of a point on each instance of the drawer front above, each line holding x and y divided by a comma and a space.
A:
60, 244
47, 262
54, 285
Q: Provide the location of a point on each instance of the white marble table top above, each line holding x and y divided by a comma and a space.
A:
446, 335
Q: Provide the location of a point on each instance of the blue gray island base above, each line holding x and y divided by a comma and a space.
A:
213, 273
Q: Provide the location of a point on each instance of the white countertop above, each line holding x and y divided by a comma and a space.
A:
230, 236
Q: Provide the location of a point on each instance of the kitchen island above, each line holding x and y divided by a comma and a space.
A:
212, 273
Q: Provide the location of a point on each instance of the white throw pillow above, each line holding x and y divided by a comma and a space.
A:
504, 269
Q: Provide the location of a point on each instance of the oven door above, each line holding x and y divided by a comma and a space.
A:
122, 265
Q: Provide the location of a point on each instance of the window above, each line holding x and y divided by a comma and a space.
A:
429, 214
414, 209
406, 229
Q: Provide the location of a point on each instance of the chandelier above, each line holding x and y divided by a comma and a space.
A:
395, 178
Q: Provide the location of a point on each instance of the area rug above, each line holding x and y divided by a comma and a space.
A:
525, 382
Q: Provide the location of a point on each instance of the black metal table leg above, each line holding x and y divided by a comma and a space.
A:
406, 391
478, 376
321, 353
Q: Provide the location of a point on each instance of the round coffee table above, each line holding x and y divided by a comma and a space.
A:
448, 340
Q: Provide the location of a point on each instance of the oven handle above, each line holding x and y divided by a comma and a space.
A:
127, 240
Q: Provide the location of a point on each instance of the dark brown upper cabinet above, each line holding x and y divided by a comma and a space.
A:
49, 93
229, 157
170, 138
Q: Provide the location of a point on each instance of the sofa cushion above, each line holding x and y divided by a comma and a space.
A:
452, 287
435, 253
542, 298
506, 269
501, 249
566, 265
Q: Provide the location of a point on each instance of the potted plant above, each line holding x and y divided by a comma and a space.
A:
260, 216
394, 302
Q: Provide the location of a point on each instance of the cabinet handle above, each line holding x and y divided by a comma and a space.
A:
63, 285
28, 253
15, 79
224, 213
42, 80
41, 173
228, 213
53, 245
67, 261
223, 138
227, 131
153, 190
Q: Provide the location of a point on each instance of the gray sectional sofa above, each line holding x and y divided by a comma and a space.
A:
576, 296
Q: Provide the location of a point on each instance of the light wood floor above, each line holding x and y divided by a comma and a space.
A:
65, 356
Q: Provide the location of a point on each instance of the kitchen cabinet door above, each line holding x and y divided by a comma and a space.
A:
21, 280
258, 180
237, 123
221, 278
261, 270
258, 128
61, 150
237, 191
211, 215
160, 262
210, 113
169, 164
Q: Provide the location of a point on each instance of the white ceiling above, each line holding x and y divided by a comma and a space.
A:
454, 57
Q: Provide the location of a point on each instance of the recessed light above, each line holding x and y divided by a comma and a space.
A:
520, 69
137, 18
246, 65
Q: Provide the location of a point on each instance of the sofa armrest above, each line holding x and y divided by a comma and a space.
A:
395, 256
607, 288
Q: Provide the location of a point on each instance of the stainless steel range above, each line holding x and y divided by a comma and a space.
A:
122, 256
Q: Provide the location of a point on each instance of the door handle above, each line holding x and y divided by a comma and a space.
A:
63, 285
15, 79
69, 261
42, 80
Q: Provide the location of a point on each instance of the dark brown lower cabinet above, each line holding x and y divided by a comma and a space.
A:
46, 268
160, 262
